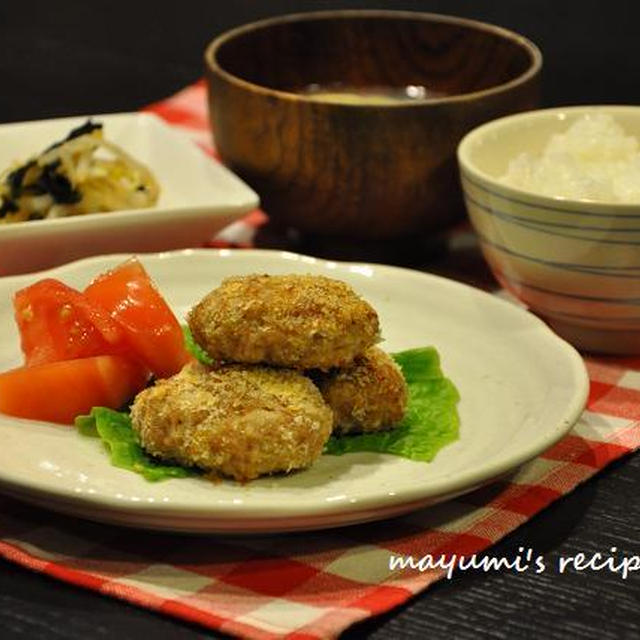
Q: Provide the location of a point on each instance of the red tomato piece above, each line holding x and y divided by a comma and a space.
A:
60, 391
150, 327
57, 322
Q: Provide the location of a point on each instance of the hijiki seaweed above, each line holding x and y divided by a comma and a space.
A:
70, 178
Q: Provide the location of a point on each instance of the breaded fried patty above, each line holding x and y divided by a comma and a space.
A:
369, 395
295, 321
241, 421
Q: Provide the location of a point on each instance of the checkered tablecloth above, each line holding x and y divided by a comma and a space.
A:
314, 585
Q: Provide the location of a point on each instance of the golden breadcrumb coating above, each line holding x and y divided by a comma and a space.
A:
295, 321
369, 395
241, 421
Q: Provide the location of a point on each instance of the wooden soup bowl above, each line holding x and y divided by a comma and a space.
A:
362, 171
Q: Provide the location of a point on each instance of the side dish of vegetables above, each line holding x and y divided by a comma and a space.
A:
83, 173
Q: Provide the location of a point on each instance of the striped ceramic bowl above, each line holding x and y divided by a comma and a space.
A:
576, 263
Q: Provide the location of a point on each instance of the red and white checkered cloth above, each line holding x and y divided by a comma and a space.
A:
314, 585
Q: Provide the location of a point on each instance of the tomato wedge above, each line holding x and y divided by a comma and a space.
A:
57, 322
60, 391
150, 327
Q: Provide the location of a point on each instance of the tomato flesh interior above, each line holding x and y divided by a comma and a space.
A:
60, 391
150, 327
57, 322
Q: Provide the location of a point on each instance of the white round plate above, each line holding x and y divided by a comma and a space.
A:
521, 388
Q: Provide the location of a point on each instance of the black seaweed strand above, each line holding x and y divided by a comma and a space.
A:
15, 178
58, 185
7, 206
83, 129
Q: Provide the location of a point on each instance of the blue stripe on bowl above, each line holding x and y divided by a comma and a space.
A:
596, 270
530, 223
552, 313
630, 302
481, 187
577, 316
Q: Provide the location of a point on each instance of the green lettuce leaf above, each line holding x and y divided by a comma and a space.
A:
114, 429
431, 421
194, 348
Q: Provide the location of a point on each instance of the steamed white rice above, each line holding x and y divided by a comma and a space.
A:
593, 160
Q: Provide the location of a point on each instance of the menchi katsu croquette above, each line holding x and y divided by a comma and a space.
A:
296, 321
294, 360
367, 395
240, 420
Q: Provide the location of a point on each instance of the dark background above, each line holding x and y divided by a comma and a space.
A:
69, 57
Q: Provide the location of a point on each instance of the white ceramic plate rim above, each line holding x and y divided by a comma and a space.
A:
447, 486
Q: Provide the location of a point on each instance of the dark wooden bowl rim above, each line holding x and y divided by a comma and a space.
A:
535, 55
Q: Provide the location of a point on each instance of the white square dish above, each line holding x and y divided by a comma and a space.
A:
198, 196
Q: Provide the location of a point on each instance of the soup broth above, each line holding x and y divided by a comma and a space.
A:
374, 95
